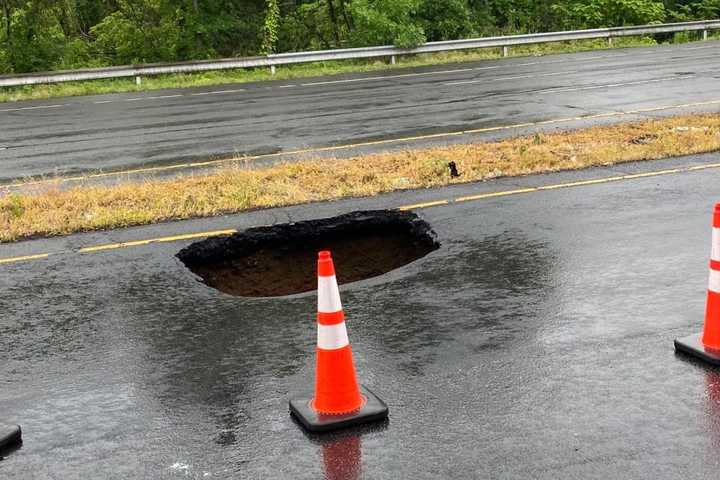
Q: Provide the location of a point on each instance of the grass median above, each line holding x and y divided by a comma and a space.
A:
53, 211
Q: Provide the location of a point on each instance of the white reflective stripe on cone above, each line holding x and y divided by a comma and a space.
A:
714, 283
715, 253
332, 337
328, 295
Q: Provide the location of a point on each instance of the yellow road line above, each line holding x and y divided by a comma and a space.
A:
211, 163
423, 205
483, 196
114, 246
682, 105
655, 174
580, 183
417, 206
175, 238
704, 167
25, 258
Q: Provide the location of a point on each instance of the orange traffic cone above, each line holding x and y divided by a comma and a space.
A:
706, 345
338, 400
336, 388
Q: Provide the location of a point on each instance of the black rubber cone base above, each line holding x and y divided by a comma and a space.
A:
373, 410
10, 435
691, 345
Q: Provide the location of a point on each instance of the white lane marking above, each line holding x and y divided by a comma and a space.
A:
328, 295
39, 107
517, 77
715, 251
218, 92
165, 96
332, 337
103, 102
160, 97
611, 85
714, 281
287, 86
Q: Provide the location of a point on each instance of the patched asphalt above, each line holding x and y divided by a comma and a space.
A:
537, 342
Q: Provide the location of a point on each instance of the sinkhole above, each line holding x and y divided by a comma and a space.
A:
281, 260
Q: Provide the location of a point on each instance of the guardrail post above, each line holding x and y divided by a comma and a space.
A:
610, 42
393, 60
506, 51
272, 70
705, 34
138, 80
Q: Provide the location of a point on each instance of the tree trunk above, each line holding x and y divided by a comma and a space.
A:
334, 21
198, 35
346, 15
68, 18
6, 12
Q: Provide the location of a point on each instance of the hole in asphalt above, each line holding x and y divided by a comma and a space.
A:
282, 259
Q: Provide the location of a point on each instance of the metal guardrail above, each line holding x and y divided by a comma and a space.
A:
273, 61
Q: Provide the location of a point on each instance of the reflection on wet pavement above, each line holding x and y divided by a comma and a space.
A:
342, 458
712, 383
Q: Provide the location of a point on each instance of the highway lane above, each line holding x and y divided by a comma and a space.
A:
535, 343
71, 136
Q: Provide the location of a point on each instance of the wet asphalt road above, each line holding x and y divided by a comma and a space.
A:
119, 132
535, 343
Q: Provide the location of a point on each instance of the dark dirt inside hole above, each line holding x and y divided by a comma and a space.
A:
282, 259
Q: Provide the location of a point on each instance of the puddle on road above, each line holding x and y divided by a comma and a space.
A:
282, 259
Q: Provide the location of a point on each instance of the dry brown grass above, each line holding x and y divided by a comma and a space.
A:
57, 212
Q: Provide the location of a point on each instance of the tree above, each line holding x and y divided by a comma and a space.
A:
448, 20
381, 22
610, 13
34, 38
270, 27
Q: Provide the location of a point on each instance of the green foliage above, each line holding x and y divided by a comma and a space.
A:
139, 32
5, 61
295, 33
382, 22
15, 206
38, 35
270, 27
610, 13
450, 19
34, 37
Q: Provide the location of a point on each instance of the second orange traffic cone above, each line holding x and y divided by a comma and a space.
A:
336, 388
706, 345
338, 400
